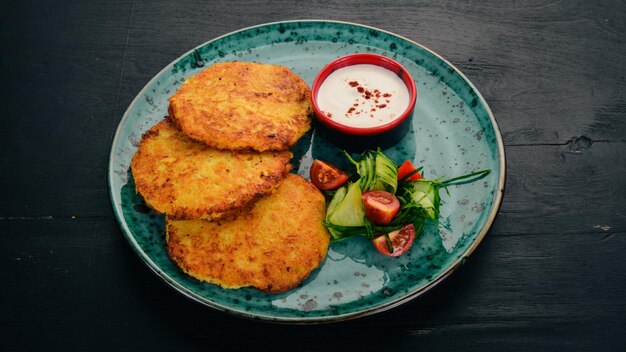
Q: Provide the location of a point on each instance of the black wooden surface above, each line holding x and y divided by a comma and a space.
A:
551, 273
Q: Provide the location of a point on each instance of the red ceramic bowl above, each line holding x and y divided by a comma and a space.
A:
351, 137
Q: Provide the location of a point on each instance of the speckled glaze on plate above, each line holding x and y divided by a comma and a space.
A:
453, 133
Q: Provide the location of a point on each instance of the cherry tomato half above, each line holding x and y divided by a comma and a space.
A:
326, 176
401, 240
405, 169
380, 206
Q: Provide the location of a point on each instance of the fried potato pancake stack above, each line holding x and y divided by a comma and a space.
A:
188, 180
273, 247
243, 105
218, 168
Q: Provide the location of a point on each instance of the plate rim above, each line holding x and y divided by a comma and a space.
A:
319, 319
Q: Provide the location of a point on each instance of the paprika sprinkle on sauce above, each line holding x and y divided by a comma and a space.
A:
363, 96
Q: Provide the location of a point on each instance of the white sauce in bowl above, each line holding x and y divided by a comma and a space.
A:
363, 96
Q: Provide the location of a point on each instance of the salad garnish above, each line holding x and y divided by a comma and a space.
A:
384, 203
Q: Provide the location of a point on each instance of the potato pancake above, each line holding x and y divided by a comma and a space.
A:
273, 247
243, 105
189, 180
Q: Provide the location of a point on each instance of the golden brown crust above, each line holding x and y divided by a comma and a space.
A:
273, 247
189, 180
243, 105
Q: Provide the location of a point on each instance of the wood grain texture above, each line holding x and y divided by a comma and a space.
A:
514, 293
564, 189
549, 275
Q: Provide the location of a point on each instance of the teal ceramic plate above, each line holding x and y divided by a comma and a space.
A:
454, 132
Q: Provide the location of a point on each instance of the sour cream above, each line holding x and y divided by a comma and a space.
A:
363, 95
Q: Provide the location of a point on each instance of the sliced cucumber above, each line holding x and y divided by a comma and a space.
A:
349, 210
337, 198
386, 174
425, 194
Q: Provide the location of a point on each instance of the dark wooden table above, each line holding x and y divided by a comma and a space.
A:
551, 273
